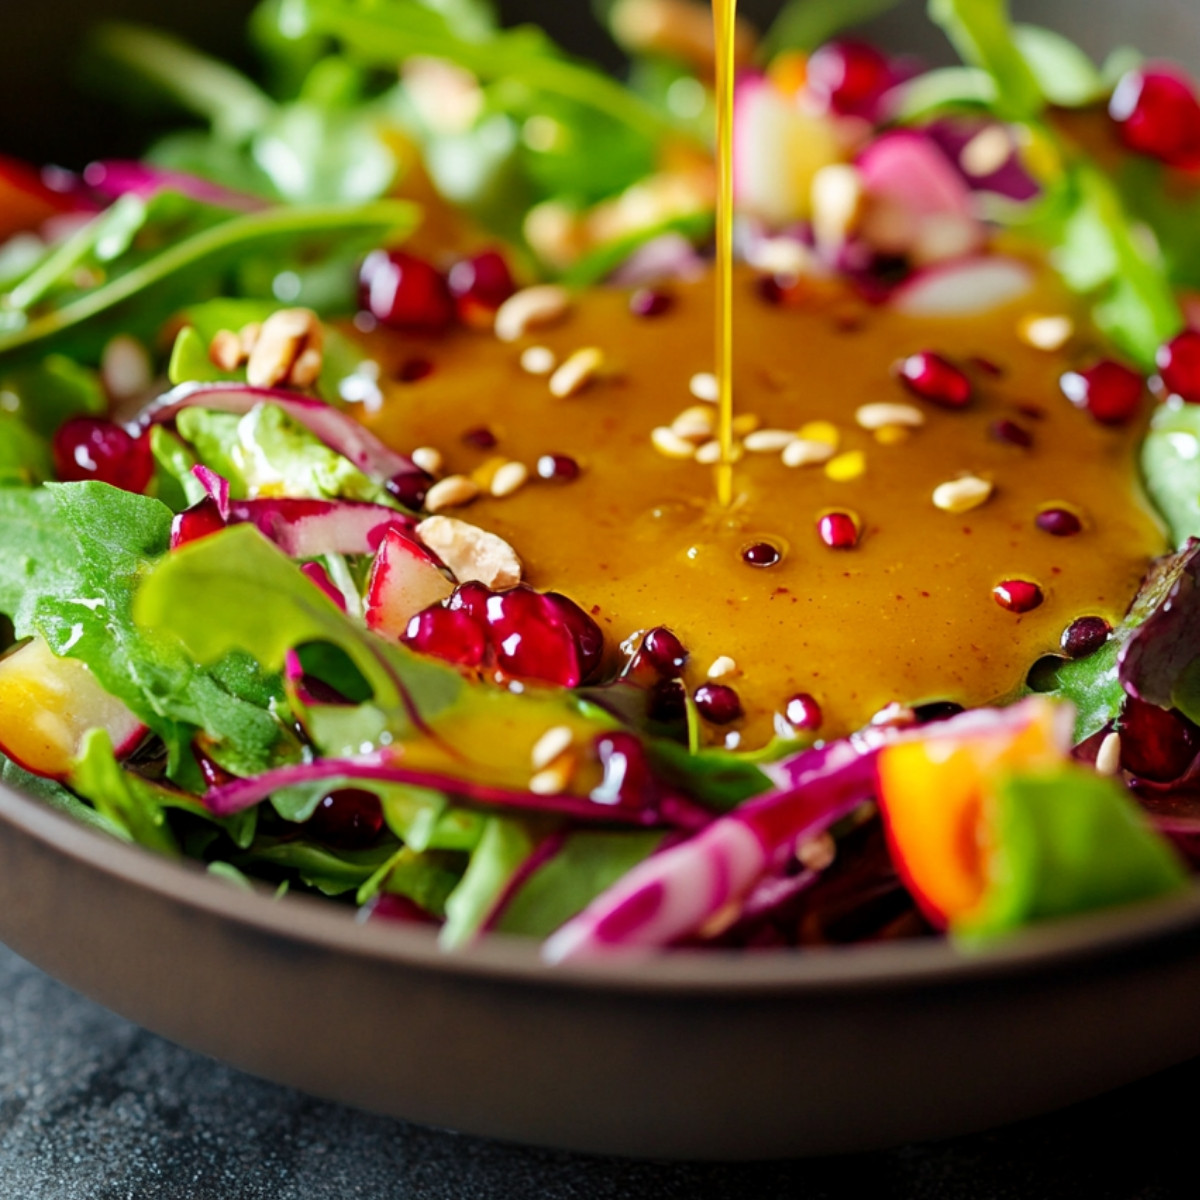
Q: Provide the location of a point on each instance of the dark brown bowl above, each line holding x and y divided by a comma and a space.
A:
714, 1056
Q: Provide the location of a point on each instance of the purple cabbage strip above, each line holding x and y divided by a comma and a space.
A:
1010, 179
217, 487
309, 528
675, 892
338, 431
113, 178
386, 766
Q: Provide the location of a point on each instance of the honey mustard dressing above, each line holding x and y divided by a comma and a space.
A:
908, 613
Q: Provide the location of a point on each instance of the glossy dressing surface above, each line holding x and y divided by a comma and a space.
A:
906, 615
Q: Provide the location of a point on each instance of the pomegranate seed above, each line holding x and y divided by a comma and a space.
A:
803, 712
413, 370
1084, 636
995, 370
481, 284
472, 598
410, 488
1012, 433
650, 302
762, 554
451, 634
848, 77
1156, 743
404, 292
664, 651
95, 448
934, 378
348, 819
213, 774
557, 468
481, 437
1157, 113
1178, 363
838, 530
589, 640
202, 519
717, 703
530, 640
1018, 595
1060, 522
627, 780
668, 702
1108, 391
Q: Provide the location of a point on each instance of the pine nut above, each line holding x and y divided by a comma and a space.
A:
1046, 332
723, 667
508, 478
883, 414
554, 779
803, 452
428, 459
768, 441
577, 372
555, 741
538, 360
531, 308
961, 495
694, 424
704, 386
667, 442
452, 492
710, 453
1108, 756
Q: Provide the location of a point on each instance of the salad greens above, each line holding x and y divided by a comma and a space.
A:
227, 607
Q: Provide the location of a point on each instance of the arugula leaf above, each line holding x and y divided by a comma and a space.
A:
75, 554
1064, 73
505, 845
24, 456
332, 872
1171, 467
587, 865
181, 270
1068, 841
982, 33
57, 797
47, 393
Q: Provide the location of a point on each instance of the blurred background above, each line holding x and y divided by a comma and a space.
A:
49, 112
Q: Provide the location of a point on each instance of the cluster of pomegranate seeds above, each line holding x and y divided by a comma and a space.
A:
1156, 113
1012, 433
410, 488
934, 378
203, 518
803, 712
1017, 595
1156, 744
762, 554
838, 530
848, 77
650, 302
348, 819
479, 285
1108, 391
95, 448
405, 292
717, 703
663, 651
627, 780
1084, 636
1178, 363
557, 468
1060, 522
524, 633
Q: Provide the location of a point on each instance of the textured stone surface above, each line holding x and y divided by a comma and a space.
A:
92, 1108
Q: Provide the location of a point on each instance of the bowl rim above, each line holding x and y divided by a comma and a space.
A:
317, 923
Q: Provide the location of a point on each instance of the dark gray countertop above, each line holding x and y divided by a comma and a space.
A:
93, 1108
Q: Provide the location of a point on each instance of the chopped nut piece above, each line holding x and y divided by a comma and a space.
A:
555, 741
883, 414
816, 853
249, 336
723, 667
288, 350
1045, 332
472, 554
962, 494
710, 453
508, 478
704, 386
1108, 756
452, 492
768, 441
531, 308
803, 452
225, 351
577, 372
428, 459
667, 441
538, 360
